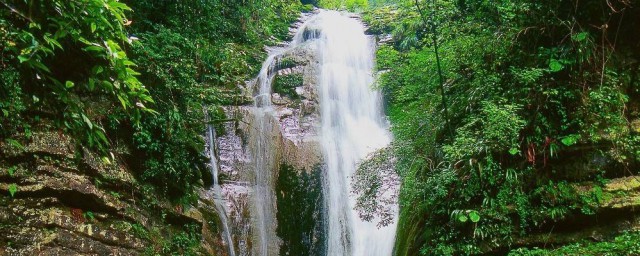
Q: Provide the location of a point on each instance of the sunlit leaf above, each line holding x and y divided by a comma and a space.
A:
13, 188
87, 121
474, 216
555, 65
570, 140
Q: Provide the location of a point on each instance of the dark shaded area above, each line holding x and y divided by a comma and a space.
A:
313, 2
300, 215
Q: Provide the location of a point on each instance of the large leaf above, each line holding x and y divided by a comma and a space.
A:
474, 216
570, 140
555, 65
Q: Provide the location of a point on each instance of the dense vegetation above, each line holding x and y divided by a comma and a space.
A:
509, 117
129, 83
195, 54
499, 109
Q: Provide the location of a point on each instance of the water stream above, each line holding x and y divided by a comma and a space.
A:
218, 200
353, 125
264, 155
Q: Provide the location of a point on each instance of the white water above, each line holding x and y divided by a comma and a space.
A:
353, 125
263, 154
217, 190
264, 197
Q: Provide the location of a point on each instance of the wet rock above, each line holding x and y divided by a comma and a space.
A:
65, 205
276, 99
292, 126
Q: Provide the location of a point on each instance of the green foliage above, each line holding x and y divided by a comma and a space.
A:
183, 243
140, 231
13, 188
286, 85
89, 70
307, 8
61, 56
374, 184
351, 5
192, 53
525, 93
466, 215
286, 63
12, 170
88, 215
387, 57
625, 244
496, 128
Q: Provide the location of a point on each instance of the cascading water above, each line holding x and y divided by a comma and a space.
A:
264, 157
353, 125
264, 197
217, 190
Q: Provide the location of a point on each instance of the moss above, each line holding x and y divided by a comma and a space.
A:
299, 196
624, 244
287, 62
624, 184
408, 241
307, 8
286, 85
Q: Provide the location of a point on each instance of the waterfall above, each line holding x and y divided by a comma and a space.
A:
264, 197
263, 153
217, 190
353, 125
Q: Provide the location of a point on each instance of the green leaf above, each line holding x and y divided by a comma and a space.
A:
15, 144
22, 58
474, 216
52, 42
87, 121
89, 215
38, 65
462, 218
97, 70
570, 140
69, 84
129, 63
12, 170
123, 100
555, 65
580, 36
13, 188
93, 27
93, 48
101, 136
514, 151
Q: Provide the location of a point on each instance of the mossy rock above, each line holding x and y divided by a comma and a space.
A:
300, 215
623, 244
287, 62
286, 85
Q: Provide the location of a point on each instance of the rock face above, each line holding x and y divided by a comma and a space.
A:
294, 143
58, 200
